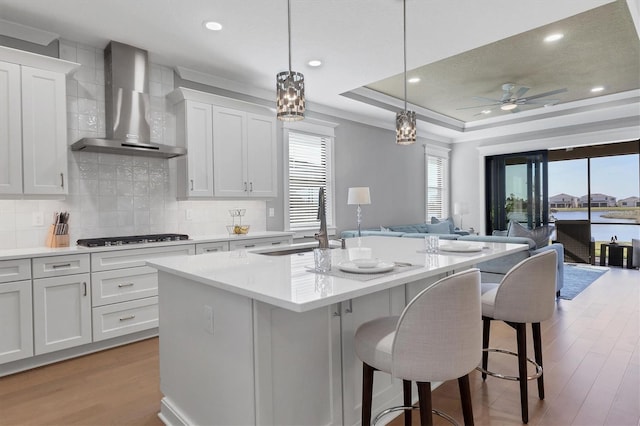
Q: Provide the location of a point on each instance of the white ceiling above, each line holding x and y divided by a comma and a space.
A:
359, 42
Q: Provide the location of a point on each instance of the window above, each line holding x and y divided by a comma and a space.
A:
309, 158
437, 186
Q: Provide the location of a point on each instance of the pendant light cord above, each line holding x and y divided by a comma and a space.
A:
289, 31
404, 29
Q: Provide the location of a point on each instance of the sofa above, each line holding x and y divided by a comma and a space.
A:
492, 270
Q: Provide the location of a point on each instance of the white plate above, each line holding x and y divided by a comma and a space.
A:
366, 263
352, 267
460, 248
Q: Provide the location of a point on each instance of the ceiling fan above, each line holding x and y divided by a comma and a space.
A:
510, 100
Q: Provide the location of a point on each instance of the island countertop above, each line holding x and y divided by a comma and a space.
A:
289, 281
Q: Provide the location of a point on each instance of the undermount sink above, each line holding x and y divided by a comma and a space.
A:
285, 252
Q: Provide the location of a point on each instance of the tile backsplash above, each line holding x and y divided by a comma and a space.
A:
112, 195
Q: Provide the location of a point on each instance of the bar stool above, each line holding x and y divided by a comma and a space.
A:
525, 295
436, 338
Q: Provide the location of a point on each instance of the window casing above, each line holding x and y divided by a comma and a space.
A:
309, 159
437, 184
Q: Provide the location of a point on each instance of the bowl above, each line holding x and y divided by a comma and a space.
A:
238, 229
366, 263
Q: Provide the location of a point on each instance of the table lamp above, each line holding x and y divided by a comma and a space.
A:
359, 195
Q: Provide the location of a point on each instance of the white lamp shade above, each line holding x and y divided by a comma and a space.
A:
359, 195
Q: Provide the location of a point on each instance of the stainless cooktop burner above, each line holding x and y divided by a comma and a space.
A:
133, 239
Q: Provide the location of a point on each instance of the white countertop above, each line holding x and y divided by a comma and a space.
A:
23, 253
287, 282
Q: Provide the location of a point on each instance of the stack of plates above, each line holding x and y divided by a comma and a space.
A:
366, 266
459, 246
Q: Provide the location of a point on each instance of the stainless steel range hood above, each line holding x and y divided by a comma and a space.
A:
127, 107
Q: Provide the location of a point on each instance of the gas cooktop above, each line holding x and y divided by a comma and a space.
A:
132, 239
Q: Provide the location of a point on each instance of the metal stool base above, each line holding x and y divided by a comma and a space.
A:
514, 378
402, 408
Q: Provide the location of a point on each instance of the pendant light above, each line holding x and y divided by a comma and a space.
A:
290, 87
405, 120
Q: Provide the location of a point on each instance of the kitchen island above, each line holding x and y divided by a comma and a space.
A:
248, 338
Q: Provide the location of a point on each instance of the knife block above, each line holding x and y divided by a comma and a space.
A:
54, 240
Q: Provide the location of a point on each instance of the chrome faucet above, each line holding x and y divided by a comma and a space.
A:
322, 236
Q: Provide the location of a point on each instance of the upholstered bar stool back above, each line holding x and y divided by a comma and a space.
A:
436, 338
526, 295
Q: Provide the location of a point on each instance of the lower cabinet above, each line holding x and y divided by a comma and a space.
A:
16, 325
124, 318
242, 243
61, 312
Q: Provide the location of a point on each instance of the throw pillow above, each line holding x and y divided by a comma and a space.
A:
383, 229
439, 228
449, 220
540, 234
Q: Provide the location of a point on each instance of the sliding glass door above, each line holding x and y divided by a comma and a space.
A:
516, 189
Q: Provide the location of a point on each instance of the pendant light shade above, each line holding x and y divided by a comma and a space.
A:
405, 120
290, 103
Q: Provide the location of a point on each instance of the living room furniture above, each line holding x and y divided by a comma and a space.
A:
525, 295
615, 254
436, 338
575, 236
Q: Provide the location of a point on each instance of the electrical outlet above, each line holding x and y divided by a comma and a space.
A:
208, 319
272, 212
37, 219
188, 215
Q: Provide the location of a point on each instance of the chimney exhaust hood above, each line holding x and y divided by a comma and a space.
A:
126, 70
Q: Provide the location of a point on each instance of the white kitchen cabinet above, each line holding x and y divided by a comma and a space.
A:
195, 170
16, 324
10, 130
212, 247
61, 312
123, 318
244, 154
44, 132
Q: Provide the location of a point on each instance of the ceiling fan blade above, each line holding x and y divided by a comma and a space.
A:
542, 95
543, 101
480, 98
521, 91
477, 106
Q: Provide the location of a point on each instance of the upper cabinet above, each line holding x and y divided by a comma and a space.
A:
232, 147
33, 123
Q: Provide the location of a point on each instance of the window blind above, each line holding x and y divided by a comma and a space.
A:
309, 170
437, 191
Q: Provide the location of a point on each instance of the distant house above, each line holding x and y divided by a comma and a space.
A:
563, 201
629, 202
598, 200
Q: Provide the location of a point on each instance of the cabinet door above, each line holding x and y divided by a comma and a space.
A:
229, 153
61, 312
10, 130
387, 392
261, 156
44, 132
16, 332
199, 138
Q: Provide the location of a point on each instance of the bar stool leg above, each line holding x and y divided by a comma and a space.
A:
367, 393
465, 398
406, 391
486, 328
522, 369
424, 395
537, 347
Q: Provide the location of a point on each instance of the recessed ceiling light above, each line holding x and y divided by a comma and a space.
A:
597, 89
314, 63
212, 25
553, 37
414, 80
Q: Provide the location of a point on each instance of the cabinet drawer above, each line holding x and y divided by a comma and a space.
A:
122, 285
55, 266
259, 242
212, 247
14, 270
124, 318
119, 259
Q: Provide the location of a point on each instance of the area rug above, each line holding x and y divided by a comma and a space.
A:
577, 277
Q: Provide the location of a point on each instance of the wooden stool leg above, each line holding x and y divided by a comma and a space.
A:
537, 347
367, 393
424, 395
522, 369
465, 398
486, 328
406, 391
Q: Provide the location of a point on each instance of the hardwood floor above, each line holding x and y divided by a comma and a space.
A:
591, 352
